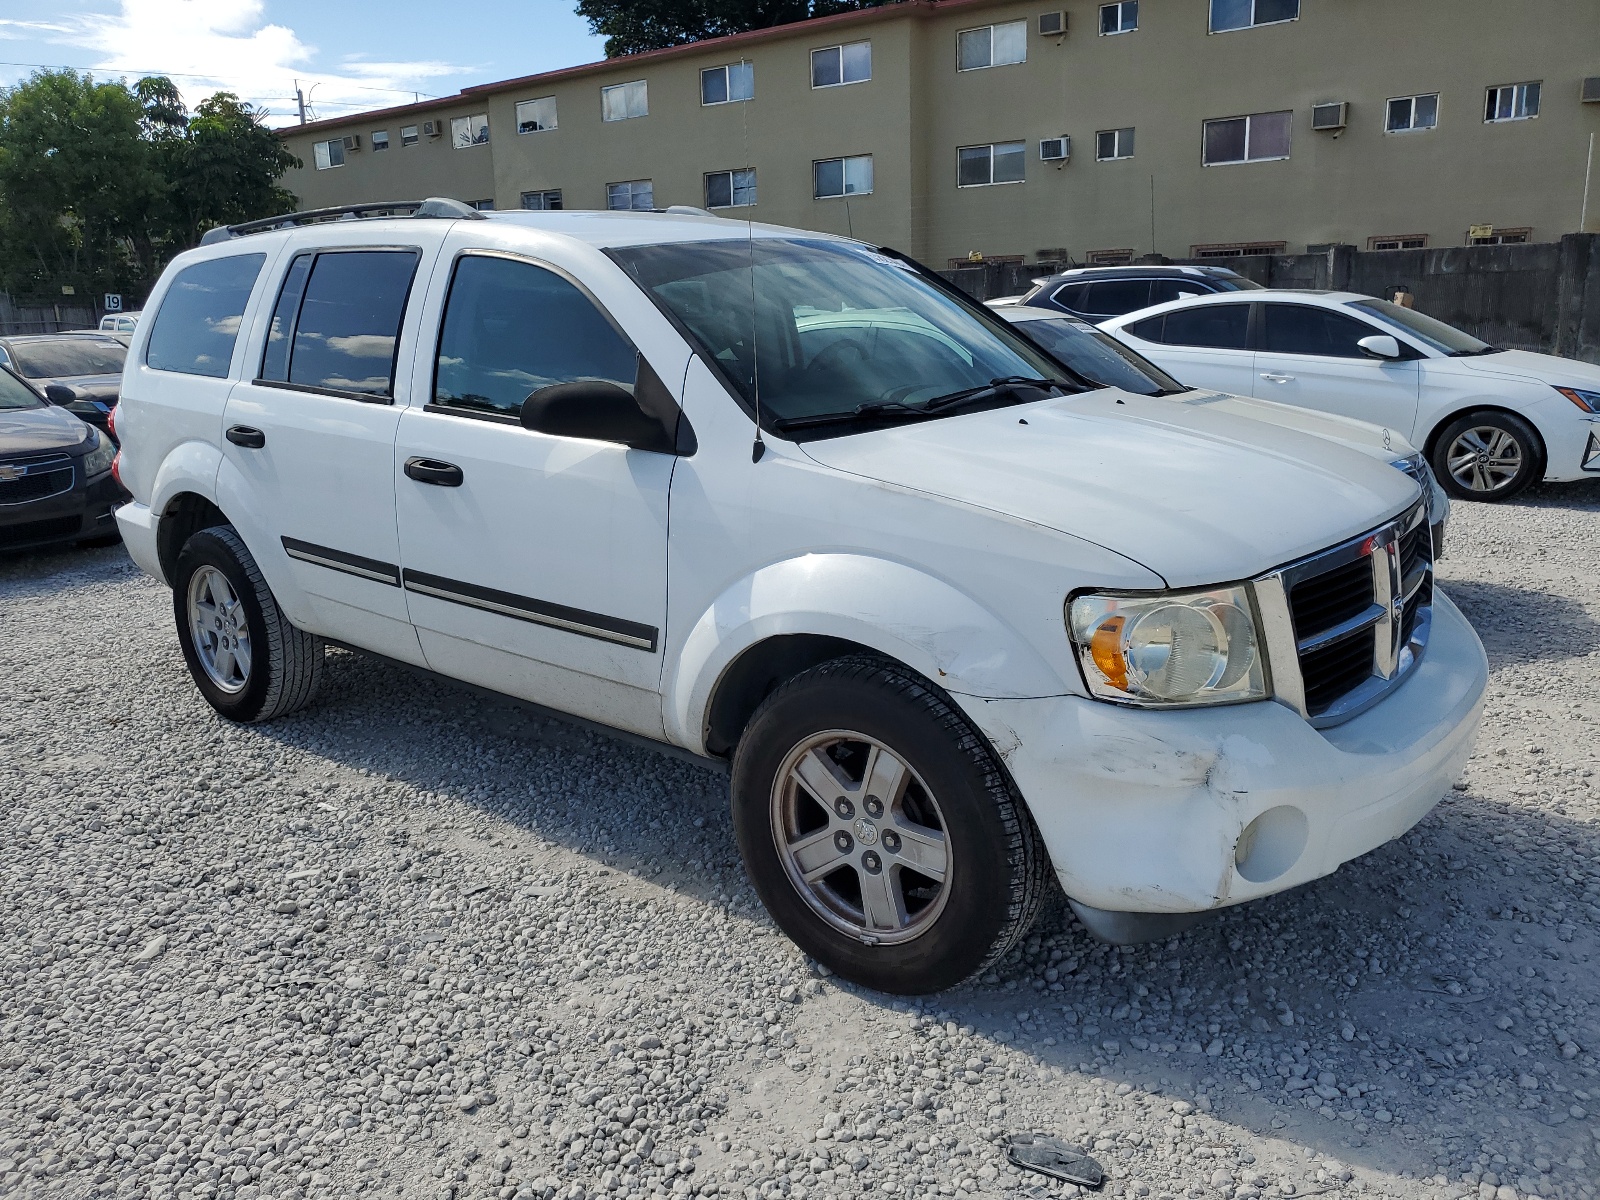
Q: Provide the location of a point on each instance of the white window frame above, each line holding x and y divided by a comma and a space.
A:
1254, 24
1122, 7
991, 147
1376, 241
1411, 126
747, 68
988, 31
839, 52
844, 162
380, 140
538, 126
544, 194
749, 187
634, 90
410, 138
323, 154
633, 186
1519, 101
468, 125
1116, 142
1247, 118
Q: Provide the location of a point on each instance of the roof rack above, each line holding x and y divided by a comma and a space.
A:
433, 208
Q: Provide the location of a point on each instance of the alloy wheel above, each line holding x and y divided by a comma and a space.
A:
1484, 458
219, 630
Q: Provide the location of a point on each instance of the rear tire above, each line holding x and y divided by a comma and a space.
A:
246, 658
1488, 456
837, 864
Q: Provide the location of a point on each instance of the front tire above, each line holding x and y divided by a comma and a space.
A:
1488, 456
246, 658
880, 831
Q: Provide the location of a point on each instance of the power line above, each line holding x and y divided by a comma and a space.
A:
190, 75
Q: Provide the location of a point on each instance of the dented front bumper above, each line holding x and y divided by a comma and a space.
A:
1186, 811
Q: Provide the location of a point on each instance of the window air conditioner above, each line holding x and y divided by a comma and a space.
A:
352, 141
1056, 149
1329, 117
1591, 90
433, 129
1052, 24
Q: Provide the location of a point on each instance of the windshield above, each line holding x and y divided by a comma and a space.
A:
16, 394
58, 358
1446, 339
829, 328
1100, 358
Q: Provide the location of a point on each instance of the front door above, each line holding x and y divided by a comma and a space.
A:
1308, 356
533, 564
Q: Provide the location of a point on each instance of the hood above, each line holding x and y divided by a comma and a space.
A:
1197, 496
1375, 440
30, 430
1526, 364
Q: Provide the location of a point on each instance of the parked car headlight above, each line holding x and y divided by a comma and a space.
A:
98, 460
1588, 401
1172, 648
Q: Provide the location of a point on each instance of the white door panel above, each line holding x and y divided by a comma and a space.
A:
1224, 370
1308, 355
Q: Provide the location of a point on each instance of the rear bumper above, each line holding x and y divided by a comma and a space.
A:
138, 525
1187, 811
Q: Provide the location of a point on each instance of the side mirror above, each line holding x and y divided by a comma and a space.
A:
1380, 345
59, 393
598, 410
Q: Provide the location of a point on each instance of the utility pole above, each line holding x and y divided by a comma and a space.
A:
300, 100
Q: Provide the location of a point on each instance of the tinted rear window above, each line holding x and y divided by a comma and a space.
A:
1215, 326
195, 331
57, 358
346, 321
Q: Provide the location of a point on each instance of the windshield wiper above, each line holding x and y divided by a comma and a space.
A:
876, 408
995, 387
1478, 353
896, 408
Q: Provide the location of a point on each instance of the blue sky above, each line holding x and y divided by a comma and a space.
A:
357, 54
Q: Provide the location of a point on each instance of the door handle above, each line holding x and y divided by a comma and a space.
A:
431, 470
1270, 377
244, 435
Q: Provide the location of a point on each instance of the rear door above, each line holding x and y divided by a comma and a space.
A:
1203, 346
311, 433
1307, 355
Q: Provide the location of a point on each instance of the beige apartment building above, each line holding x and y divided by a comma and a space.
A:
1044, 130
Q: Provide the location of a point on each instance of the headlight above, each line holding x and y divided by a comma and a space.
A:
1588, 401
1417, 467
98, 460
1174, 648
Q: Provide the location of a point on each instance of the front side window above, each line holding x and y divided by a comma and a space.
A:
836, 65
999, 162
1302, 329
198, 324
328, 155
731, 189
992, 46
466, 132
725, 85
1099, 357
1119, 18
637, 195
408, 135
625, 101
1512, 102
1210, 326
336, 326
1242, 14
1260, 137
1112, 144
380, 139
544, 201
842, 177
511, 328
536, 116
1408, 113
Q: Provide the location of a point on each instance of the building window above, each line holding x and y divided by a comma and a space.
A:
546, 201
1406, 114
482, 205
1242, 14
731, 189
1112, 144
380, 139
466, 132
535, 116
328, 154
639, 195
838, 65
1512, 102
1399, 241
1108, 258
979, 166
1119, 18
725, 85
992, 46
624, 101
1259, 137
408, 135
842, 177
1499, 237
1236, 249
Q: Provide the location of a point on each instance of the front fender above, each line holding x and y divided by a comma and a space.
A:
890, 607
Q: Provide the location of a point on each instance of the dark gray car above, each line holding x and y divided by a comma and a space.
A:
80, 372
56, 483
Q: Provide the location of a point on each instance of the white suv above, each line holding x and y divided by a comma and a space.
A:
956, 620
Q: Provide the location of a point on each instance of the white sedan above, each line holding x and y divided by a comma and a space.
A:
1491, 421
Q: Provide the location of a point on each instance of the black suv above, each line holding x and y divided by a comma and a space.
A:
1100, 293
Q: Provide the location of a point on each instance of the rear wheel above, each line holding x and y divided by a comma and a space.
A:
246, 658
1488, 456
879, 830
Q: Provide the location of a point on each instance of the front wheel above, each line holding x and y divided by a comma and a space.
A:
1488, 456
880, 831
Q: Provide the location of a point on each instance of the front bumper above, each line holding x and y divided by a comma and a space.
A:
1186, 811
81, 513
1572, 451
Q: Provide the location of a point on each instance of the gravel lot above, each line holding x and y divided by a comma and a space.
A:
409, 943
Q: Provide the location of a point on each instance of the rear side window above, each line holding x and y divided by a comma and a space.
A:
198, 324
511, 328
1214, 326
336, 325
1302, 329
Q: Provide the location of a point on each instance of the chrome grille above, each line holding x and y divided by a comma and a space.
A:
24, 478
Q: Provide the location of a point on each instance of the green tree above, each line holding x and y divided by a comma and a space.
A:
226, 169
633, 26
